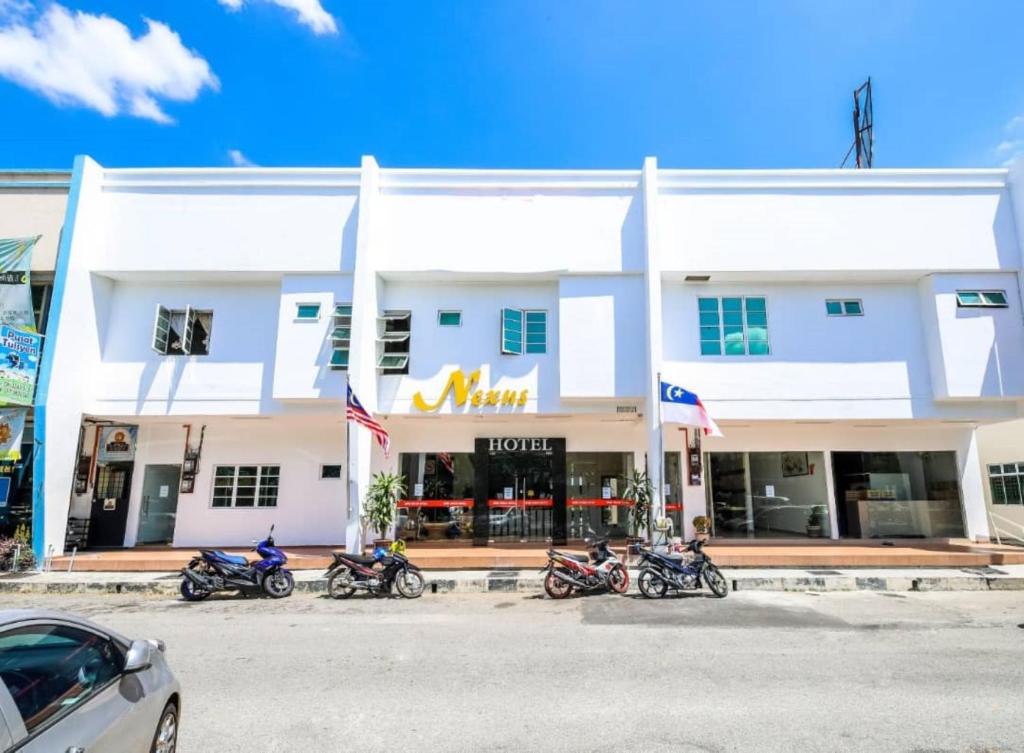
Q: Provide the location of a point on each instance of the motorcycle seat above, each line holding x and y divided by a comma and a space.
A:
577, 557
235, 559
360, 559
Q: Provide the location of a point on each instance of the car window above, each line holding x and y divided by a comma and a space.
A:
50, 669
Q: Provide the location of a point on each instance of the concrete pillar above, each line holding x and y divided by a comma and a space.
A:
973, 490
652, 282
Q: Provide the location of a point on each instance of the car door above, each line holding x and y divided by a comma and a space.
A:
67, 687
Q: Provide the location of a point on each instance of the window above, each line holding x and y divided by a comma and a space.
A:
51, 669
852, 307
394, 330
41, 294
307, 312
182, 333
449, 318
981, 299
1007, 483
330, 471
341, 336
523, 331
733, 326
245, 485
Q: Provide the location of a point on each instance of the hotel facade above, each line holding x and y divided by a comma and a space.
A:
850, 331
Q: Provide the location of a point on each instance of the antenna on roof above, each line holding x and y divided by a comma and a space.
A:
863, 127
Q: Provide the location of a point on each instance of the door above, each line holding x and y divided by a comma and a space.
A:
520, 496
159, 504
109, 516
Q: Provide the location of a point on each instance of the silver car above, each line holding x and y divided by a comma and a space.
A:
68, 685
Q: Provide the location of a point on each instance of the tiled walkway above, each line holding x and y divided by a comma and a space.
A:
955, 553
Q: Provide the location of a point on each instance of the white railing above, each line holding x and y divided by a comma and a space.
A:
1000, 534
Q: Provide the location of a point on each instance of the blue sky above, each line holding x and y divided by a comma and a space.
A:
507, 83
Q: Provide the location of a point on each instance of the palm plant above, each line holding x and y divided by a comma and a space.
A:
382, 497
639, 491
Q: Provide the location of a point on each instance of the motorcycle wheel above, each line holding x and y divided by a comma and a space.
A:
716, 581
556, 588
652, 585
410, 584
338, 587
278, 584
191, 592
618, 579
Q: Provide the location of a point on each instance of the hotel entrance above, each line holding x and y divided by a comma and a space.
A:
520, 494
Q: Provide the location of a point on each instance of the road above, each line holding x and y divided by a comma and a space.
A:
758, 671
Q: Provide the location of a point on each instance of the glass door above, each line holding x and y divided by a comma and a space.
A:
519, 496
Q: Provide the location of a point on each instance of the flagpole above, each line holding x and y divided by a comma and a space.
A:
348, 458
661, 460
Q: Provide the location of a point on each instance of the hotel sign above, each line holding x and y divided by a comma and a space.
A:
465, 389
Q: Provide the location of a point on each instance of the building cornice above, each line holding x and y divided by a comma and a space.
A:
839, 180
231, 177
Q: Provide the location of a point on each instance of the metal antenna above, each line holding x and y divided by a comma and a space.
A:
863, 127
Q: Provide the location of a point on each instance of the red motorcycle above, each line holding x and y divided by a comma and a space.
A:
601, 569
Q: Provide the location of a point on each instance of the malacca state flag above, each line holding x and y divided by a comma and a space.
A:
679, 406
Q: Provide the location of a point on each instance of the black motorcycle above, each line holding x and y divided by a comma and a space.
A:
214, 570
661, 572
374, 573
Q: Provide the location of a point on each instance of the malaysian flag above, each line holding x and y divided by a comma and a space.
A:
354, 411
447, 461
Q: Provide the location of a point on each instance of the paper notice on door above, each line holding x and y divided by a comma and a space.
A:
509, 494
769, 490
165, 491
110, 503
606, 492
668, 490
417, 490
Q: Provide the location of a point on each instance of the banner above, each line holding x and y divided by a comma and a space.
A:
19, 363
15, 291
12, 426
117, 443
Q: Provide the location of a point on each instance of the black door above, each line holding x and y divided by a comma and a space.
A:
109, 516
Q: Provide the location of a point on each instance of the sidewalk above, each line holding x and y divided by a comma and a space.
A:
1001, 578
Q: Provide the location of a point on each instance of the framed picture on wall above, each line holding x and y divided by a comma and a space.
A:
794, 464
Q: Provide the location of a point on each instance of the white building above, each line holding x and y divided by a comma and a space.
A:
849, 330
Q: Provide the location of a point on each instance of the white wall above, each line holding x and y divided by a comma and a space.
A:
302, 360
436, 351
974, 352
1002, 443
601, 336
508, 230
235, 377
838, 227
310, 510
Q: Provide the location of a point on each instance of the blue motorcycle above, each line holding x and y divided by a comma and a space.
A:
214, 570
660, 572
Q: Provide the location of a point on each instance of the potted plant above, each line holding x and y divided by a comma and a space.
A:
639, 492
815, 521
382, 497
702, 527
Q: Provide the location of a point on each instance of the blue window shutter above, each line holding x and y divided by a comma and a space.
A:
512, 332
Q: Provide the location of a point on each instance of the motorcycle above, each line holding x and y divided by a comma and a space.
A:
352, 572
214, 570
601, 569
660, 572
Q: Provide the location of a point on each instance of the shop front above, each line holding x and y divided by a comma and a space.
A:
514, 490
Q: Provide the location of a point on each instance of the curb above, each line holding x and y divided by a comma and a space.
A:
514, 583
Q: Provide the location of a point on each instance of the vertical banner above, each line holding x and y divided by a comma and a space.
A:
19, 364
12, 426
15, 291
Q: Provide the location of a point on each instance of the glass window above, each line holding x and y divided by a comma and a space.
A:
511, 331
439, 496
307, 311
245, 485
596, 482
524, 331
51, 669
674, 492
340, 336
850, 307
330, 471
981, 299
834, 308
536, 331
768, 494
1007, 483
897, 494
449, 318
733, 326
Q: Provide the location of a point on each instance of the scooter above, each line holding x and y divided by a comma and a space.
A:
214, 570
602, 569
374, 573
660, 572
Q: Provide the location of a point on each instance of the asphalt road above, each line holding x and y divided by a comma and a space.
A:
758, 671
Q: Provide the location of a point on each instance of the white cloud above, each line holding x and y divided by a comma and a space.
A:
1009, 146
240, 160
1011, 149
77, 58
310, 13
1015, 123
